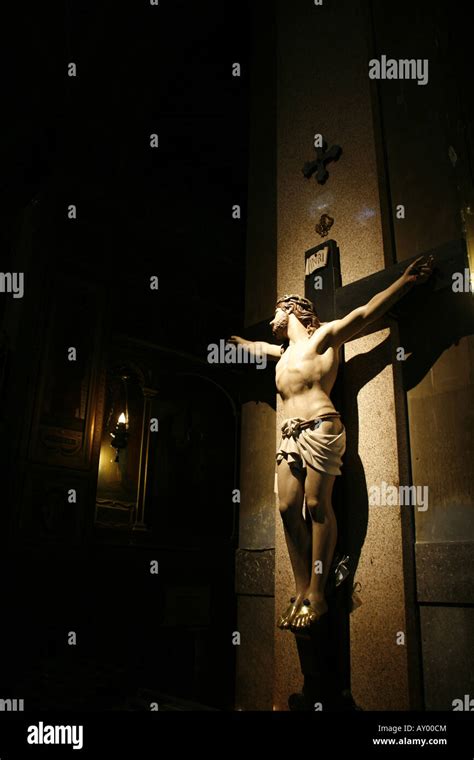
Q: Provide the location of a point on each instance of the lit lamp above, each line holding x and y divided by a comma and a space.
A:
120, 435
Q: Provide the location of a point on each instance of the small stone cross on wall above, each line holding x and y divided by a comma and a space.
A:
318, 165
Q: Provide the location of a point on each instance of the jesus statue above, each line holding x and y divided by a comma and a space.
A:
313, 437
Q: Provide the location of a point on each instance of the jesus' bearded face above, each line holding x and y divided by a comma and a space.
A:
279, 324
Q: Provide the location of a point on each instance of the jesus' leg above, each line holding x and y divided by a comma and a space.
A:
318, 491
298, 538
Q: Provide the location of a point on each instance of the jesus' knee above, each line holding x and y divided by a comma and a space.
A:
320, 510
289, 510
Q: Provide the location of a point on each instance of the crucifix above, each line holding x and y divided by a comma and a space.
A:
319, 618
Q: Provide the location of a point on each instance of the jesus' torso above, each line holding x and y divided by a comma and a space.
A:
304, 379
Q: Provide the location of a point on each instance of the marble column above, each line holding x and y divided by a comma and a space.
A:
323, 87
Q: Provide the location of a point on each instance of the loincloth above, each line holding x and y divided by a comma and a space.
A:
303, 444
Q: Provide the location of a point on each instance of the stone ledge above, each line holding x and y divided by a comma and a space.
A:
255, 571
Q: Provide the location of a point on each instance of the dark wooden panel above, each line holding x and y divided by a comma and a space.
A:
65, 408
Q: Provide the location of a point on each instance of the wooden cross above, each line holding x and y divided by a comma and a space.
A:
429, 319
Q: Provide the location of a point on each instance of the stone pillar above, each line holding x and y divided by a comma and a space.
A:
255, 558
323, 87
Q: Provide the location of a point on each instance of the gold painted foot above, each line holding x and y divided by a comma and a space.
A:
285, 620
308, 614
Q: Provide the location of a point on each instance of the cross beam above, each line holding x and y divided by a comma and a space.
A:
333, 301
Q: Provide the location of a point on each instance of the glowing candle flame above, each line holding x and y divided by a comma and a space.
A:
122, 419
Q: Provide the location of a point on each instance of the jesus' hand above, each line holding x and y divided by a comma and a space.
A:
420, 270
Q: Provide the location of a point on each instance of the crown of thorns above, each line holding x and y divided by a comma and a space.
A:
296, 299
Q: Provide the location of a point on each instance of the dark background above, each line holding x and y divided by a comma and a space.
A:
141, 69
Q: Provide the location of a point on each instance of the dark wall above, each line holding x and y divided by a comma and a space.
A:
141, 212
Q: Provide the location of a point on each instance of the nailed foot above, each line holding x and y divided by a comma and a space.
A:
286, 618
309, 613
